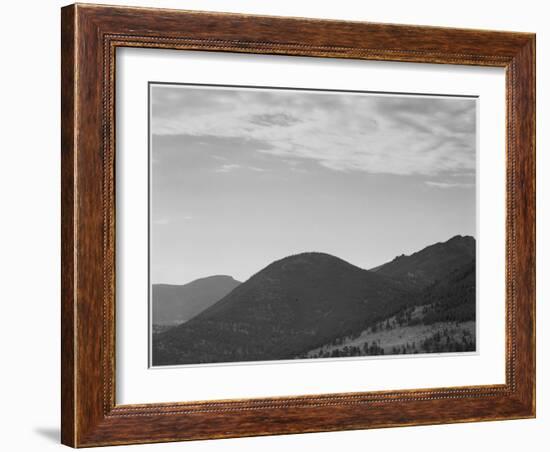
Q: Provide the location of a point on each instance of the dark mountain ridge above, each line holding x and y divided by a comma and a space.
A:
295, 281
284, 310
303, 301
431, 263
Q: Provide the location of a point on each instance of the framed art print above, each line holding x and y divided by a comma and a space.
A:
279, 225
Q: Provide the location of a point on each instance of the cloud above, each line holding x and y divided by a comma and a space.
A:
274, 119
227, 168
401, 135
449, 184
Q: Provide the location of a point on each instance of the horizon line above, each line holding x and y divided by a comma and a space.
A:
306, 252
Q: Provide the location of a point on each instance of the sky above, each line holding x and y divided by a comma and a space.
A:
241, 177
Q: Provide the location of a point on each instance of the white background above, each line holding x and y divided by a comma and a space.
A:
138, 384
30, 225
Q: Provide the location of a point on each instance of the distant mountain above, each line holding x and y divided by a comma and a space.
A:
289, 307
176, 304
303, 302
431, 263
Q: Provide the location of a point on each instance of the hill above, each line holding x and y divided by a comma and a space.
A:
431, 263
306, 301
453, 298
438, 319
174, 304
289, 307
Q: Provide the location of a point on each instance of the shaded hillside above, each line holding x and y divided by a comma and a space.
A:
176, 304
288, 308
439, 318
453, 298
431, 263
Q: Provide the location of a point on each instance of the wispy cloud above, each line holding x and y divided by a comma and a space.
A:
449, 184
227, 168
401, 135
274, 119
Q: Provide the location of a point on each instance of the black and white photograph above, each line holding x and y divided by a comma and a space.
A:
275, 226
299, 224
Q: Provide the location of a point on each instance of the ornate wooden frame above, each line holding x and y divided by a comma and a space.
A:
90, 35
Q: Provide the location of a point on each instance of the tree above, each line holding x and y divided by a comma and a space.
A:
366, 347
